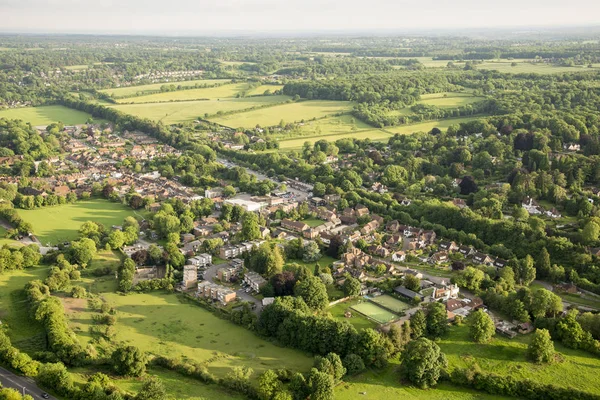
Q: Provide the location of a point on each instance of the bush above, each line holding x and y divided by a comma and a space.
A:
78, 292
354, 364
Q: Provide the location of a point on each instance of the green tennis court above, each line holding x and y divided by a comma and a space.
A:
390, 303
374, 312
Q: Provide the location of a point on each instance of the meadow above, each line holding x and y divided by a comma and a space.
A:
427, 126
129, 91
357, 320
530, 68
61, 223
376, 135
449, 99
505, 356
260, 90
291, 112
217, 92
45, 115
176, 112
166, 324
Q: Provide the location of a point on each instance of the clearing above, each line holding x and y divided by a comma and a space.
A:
128, 91
428, 125
291, 112
376, 135
218, 92
373, 311
45, 115
260, 90
391, 303
61, 223
449, 100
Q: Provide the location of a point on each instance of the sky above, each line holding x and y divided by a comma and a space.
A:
214, 17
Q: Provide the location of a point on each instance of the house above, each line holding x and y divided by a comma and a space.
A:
379, 188
332, 198
264, 232
295, 226
226, 274
361, 210
525, 328
483, 259
439, 257
190, 276
531, 206
317, 201
553, 213
448, 246
445, 292
369, 228
407, 293
413, 273
355, 257
201, 260
399, 256
379, 251
187, 237
460, 203
466, 251
393, 226
394, 240
212, 193
215, 292
254, 280
500, 263
454, 304
567, 288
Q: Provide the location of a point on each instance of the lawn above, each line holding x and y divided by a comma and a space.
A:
376, 135
45, 115
128, 91
428, 126
324, 261
505, 356
357, 320
374, 312
25, 333
175, 112
61, 223
390, 303
313, 222
292, 112
163, 324
218, 92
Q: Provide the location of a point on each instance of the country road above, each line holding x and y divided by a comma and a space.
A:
22, 384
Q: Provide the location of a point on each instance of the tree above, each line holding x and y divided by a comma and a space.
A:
481, 326
354, 364
83, 250
541, 348
268, 384
525, 271
411, 282
129, 361
545, 302
313, 291
352, 286
437, 320
250, 227
468, 185
152, 389
55, 376
332, 365
422, 363
543, 265
311, 252
116, 239
320, 384
418, 324
590, 233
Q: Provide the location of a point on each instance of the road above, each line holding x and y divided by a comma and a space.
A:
22, 384
209, 275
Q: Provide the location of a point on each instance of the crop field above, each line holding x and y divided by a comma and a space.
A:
217, 92
45, 115
292, 112
376, 135
153, 87
428, 125
390, 303
175, 112
505, 356
164, 324
374, 312
61, 223
357, 320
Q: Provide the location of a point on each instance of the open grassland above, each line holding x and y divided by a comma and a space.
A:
218, 92
164, 324
530, 68
25, 333
45, 115
61, 223
6, 241
339, 124
377, 135
260, 90
386, 384
505, 356
357, 320
428, 126
102, 260
374, 312
390, 303
291, 112
449, 100
175, 112
153, 87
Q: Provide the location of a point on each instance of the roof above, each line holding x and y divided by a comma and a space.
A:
406, 292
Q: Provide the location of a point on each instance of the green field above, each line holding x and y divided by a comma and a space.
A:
5, 241
218, 92
162, 324
292, 112
312, 222
428, 126
390, 303
175, 112
45, 115
153, 87
61, 223
374, 312
529, 68
449, 100
260, 90
507, 357
357, 319
376, 135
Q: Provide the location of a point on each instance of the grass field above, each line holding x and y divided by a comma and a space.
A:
5, 241
161, 324
61, 223
373, 134
25, 333
312, 222
292, 112
174, 112
529, 68
133, 90
374, 312
218, 92
390, 303
45, 115
449, 100
428, 126
507, 357
357, 320
260, 90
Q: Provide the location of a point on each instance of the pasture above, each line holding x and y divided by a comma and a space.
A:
129, 91
61, 223
357, 320
45, 115
449, 100
374, 312
530, 68
377, 135
166, 324
260, 90
390, 303
176, 112
291, 112
217, 92
428, 125
505, 356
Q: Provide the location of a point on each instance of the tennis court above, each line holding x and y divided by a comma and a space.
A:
390, 303
374, 312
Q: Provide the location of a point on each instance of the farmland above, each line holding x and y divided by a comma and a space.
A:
61, 223
428, 126
45, 115
292, 112
129, 91
164, 324
217, 92
175, 112
260, 90
372, 134
449, 100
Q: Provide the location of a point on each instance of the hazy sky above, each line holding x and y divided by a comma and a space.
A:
203, 16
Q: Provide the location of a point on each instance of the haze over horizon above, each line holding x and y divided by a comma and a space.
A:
265, 16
